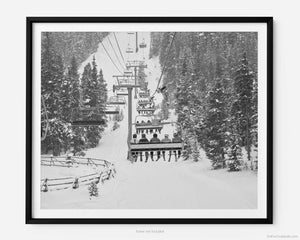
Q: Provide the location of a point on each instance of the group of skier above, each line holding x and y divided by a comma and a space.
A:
155, 139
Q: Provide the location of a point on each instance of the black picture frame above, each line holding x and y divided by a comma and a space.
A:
29, 126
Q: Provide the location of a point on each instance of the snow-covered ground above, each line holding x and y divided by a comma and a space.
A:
151, 185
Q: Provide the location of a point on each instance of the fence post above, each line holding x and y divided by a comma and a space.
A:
44, 187
75, 183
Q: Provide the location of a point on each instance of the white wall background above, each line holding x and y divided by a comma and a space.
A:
286, 116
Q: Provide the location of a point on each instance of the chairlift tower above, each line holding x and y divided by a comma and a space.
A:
129, 88
135, 65
136, 42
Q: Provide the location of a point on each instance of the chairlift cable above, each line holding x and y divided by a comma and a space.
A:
115, 53
116, 39
110, 58
165, 64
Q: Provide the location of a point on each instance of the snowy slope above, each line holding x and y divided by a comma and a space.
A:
152, 185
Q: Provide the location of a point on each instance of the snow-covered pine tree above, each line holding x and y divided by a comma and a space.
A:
87, 86
87, 97
142, 77
78, 44
102, 86
101, 101
254, 124
93, 190
78, 133
212, 57
95, 96
52, 77
92, 95
66, 107
186, 108
215, 126
65, 97
242, 110
155, 38
234, 155
169, 58
74, 83
165, 108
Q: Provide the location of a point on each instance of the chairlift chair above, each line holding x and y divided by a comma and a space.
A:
87, 117
147, 123
126, 80
113, 112
110, 109
122, 92
145, 94
87, 123
145, 111
143, 44
128, 73
143, 102
115, 100
129, 49
143, 149
88, 113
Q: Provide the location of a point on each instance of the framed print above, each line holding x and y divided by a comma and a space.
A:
149, 120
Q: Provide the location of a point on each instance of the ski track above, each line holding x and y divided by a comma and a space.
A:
152, 185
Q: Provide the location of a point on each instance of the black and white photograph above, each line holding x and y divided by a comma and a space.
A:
150, 120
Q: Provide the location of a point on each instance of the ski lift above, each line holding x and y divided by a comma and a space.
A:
129, 49
128, 73
147, 124
145, 111
144, 101
129, 80
171, 149
87, 117
87, 114
122, 92
110, 109
87, 123
144, 94
143, 44
115, 100
145, 104
92, 116
143, 149
87, 107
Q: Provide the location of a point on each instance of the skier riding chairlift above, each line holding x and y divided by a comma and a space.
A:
155, 139
166, 140
144, 140
176, 139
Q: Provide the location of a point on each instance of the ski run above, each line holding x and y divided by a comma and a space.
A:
154, 184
